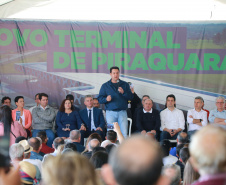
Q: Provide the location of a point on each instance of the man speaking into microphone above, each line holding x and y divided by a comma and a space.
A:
115, 95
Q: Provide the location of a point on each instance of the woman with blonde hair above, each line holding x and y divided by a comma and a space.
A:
69, 169
190, 175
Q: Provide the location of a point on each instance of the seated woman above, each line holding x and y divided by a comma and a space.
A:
25, 115
8, 126
67, 119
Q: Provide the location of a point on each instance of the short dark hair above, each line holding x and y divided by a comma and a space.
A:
145, 96
62, 108
38, 94
184, 154
43, 94
165, 145
171, 96
181, 138
111, 135
71, 146
35, 143
178, 148
58, 141
42, 135
97, 149
17, 98
5, 98
109, 148
114, 67
95, 99
99, 158
70, 97
20, 138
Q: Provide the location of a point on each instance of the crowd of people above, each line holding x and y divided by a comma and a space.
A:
91, 146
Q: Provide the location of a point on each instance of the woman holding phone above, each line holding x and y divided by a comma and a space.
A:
7, 126
22, 115
67, 119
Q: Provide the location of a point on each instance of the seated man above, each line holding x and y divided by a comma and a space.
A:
208, 155
135, 161
144, 97
218, 115
36, 145
97, 105
37, 101
27, 154
196, 117
75, 137
6, 101
182, 138
16, 153
45, 149
167, 158
43, 118
172, 171
172, 119
91, 145
148, 119
93, 119
57, 142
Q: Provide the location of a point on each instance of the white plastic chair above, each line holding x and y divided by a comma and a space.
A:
130, 126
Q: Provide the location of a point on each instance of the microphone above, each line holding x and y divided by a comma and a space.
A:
118, 83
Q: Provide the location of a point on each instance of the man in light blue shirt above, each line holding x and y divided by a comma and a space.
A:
36, 144
218, 115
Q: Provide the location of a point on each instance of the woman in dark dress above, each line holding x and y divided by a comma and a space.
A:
67, 119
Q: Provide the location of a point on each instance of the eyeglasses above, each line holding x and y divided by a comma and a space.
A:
220, 102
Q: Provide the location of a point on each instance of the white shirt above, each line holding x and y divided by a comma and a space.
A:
147, 111
35, 162
172, 119
92, 120
196, 115
169, 160
23, 119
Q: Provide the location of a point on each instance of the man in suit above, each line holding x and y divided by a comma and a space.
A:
92, 118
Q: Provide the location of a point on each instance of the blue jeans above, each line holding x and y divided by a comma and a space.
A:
121, 118
49, 133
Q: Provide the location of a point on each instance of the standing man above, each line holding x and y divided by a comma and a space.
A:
115, 95
93, 119
43, 118
218, 115
196, 117
172, 119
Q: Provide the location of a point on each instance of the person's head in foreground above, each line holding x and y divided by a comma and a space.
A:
172, 171
208, 150
137, 161
69, 169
